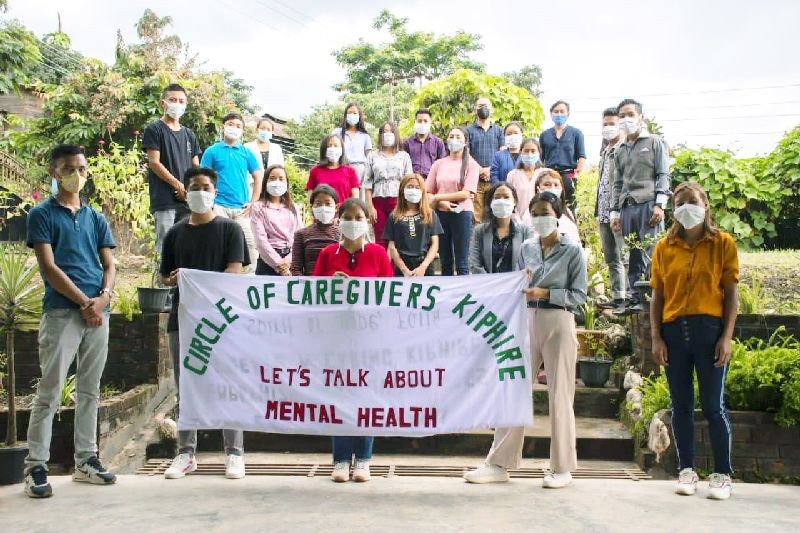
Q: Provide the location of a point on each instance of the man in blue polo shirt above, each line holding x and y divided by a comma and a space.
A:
234, 164
563, 149
73, 246
484, 138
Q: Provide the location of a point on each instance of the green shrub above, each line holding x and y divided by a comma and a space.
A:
753, 299
126, 302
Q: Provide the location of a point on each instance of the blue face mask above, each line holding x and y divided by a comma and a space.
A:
529, 160
559, 120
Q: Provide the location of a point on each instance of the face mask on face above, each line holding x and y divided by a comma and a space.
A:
544, 226
554, 190
333, 153
73, 182
529, 160
352, 119
483, 113
690, 215
175, 110
231, 132
53, 186
629, 124
502, 208
324, 213
412, 195
610, 132
454, 145
277, 188
200, 202
264, 135
559, 120
388, 139
514, 140
353, 229
422, 128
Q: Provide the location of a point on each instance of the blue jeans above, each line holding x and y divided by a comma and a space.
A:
690, 344
635, 218
345, 447
613, 246
454, 242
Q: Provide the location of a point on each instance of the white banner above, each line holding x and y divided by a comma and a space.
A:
353, 356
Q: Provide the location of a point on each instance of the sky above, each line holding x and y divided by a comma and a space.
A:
712, 73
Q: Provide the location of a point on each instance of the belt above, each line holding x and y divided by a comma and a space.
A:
283, 252
628, 201
542, 304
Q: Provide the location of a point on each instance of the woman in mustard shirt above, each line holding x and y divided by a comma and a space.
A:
693, 311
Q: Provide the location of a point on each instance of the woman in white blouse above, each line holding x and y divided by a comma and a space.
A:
267, 152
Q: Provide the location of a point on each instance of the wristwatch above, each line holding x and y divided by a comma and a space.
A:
107, 290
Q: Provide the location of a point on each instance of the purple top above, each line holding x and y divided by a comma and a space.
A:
423, 154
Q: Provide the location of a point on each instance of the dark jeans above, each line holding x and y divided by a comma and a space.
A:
345, 447
263, 269
454, 242
690, 344
634, 219
570, 182
412, 263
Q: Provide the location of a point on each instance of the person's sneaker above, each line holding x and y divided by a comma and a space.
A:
234, 466
93, 472
36, 485
361, 470
687, 482
621, 310
556, 481
182, 464
488, 473
638, 307
341, 471
719, 486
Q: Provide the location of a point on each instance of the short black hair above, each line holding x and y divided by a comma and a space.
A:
350, 202
423, 111
65, 150
629, 101
550, 198
193, 172
559, 102
610, 112
172, 87
231, 116
323, 151
324, 188
488, 196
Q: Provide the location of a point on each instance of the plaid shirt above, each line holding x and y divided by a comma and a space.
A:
484, 143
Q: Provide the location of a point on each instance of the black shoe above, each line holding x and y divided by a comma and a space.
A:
607, 305
93, 472
637, 308
36, 485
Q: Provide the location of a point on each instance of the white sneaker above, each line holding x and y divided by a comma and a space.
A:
361, 470
719, 486
341, 471
556, 481
234, 466
687, 482
181, 465
488, 473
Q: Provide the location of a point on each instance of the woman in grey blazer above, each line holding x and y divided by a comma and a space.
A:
495, 244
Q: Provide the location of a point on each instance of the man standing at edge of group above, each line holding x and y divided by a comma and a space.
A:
640, 190
423, 147
484, 138
171, 150
563, 149
234, 164
73, 246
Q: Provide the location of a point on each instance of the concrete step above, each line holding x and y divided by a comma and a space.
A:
589, 401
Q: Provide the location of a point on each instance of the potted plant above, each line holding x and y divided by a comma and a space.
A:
153, 299
643, 285
20, 309
595, 369
588, 331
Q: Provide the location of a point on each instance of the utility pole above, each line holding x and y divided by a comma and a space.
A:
391, 96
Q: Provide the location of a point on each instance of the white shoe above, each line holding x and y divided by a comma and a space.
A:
341, 471
181, 465
488, 473
719, 486
687, 482
234, 466
556, 481
361, 470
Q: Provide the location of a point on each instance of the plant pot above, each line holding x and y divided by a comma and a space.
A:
594, 372
582, 334
152, 300
645, 293
12, 464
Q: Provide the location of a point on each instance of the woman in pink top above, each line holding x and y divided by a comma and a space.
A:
452, 182
523, 178
333, 170
274, 219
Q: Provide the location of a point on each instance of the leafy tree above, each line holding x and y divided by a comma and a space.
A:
311, 128
59, 60
18, 51
528, 77
783, 166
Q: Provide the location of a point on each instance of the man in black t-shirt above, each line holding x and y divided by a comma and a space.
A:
203, 241
172, 149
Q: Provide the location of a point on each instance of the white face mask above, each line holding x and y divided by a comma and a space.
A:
690, 215
629, 125
353, 229
412, 195
333, 153
324, 213
200, 202
175, 110
352, 119
454, 145
264, 135
422, 128
231, 132
554, 190
544, 226
388, 139
514, 140
277, 188
610, 132
502, 208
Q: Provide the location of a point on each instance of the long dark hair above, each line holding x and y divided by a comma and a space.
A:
709, 227
550, 198
520, 164
360, 126
488, 196
286, 199
396, 145
323, 147
464, 154
549, 173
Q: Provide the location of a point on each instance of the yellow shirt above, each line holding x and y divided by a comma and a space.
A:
691, 279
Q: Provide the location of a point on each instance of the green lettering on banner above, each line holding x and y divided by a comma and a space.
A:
413, 293
502, 372
226, 311
252, 297
268, 294
289, 293
307, 300
352, 297
431, 299
394, 293
380, 288
322, 288
336, 291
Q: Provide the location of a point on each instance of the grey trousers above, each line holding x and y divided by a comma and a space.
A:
187, 439
63, 335
613, 246
165, 219
634, 219
237, 215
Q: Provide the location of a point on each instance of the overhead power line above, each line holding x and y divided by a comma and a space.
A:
689, 93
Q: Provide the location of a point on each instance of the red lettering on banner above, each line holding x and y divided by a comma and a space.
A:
412, 379
405, 417
298, 412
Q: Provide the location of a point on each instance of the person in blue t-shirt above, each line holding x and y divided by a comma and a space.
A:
563, 149
73, 246
234, 164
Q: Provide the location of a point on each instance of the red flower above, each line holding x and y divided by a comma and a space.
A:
135, 133
35, 195
101, 142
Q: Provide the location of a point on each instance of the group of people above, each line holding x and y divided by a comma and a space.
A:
391, 211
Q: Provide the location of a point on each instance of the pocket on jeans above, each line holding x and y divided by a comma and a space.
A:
59, 313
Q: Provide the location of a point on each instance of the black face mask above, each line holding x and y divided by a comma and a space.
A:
483, 113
